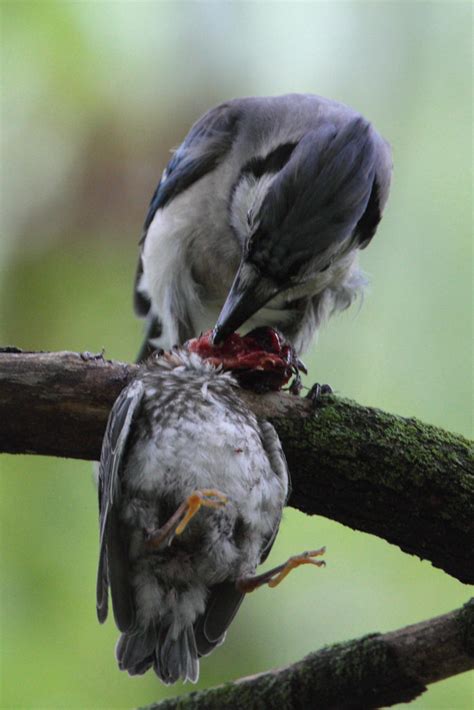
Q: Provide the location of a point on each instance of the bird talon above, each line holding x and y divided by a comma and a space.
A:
276, 575
296, 385
207, 497
316, 392
306, 558
326, 389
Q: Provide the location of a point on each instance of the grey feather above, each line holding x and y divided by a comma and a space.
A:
135, 652
222, 606
178, 657
113, 568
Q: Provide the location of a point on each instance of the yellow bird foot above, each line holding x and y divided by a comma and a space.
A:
276, 575
207, 497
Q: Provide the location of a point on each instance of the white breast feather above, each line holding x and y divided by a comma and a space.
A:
167, 274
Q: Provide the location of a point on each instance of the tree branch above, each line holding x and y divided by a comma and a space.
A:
407, 482
374, 671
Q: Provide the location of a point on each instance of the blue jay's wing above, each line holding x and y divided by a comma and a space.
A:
204, 147
321, 193
113, 554
368, 223
206, 144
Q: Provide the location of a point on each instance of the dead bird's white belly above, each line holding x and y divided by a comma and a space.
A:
207, 451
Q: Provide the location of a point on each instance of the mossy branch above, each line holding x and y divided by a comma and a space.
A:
407, 482
375, 671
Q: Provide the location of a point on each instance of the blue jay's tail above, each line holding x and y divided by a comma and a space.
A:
171, 658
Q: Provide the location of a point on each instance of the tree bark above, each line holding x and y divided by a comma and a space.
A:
375, 671
407, 482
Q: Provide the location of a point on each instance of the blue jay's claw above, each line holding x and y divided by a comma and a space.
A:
276, 575
299, 365
316, 392
296, 384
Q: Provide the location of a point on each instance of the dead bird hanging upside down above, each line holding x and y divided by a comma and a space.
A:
191, 492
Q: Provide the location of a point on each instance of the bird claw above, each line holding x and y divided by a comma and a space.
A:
316, 392
298, 365
306, 558
296, 385
207, 497
276, 575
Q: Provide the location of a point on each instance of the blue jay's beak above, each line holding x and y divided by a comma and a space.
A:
249, 292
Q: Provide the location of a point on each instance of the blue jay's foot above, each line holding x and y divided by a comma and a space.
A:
296, 385
207, 497
316, 392
276, 575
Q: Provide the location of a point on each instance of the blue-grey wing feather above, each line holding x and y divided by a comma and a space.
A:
323, 190
113, 554
368, 223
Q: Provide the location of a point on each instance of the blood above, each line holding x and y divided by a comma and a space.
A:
261, 360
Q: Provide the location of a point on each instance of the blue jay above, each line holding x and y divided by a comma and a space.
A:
180, 439
258, 220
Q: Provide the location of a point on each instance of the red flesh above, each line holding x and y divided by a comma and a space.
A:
261, 360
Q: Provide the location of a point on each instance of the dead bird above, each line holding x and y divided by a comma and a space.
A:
191, 492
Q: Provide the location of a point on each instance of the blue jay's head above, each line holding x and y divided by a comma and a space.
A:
306, 204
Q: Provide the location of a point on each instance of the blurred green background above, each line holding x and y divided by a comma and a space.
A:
95, 95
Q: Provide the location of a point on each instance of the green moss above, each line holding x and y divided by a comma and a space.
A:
366, 670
